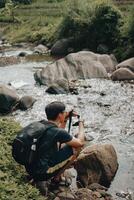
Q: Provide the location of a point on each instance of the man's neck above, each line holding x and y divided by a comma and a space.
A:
54, 122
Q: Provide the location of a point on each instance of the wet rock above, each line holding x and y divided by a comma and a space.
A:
62, 86
26, 102
62, 47
41, 49
8, 99
97, 164
38, 78
102, 93
22, 54
55, 89
126, 195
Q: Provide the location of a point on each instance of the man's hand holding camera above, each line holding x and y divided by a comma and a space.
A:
80, 123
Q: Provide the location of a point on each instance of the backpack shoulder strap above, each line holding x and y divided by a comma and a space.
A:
46, 129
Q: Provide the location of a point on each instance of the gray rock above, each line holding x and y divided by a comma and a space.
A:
26, 102
66, 196
41, 49
97, 164
62, 47
81, 65
122, 74
8, 99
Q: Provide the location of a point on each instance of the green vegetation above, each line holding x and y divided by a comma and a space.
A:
23, 1
99, 20
102, 26
36, 21
2, 3
125, 49
13, 183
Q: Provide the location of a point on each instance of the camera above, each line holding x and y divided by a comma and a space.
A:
71, 114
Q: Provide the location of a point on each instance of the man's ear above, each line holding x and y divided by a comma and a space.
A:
59, 116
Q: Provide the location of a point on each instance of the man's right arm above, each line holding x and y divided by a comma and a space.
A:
79, 141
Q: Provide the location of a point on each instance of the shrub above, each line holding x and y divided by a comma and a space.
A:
55, 1
2, 3
13, 184
130, 31
92, 24
126, 47
23, 1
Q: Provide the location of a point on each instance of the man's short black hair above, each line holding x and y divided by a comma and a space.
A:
53, 109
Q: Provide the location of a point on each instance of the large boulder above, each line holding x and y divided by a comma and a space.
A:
129, 63
62, 86
26, 102
124, 71
81, 65
122, 74
97, 164
8, 99
62, 47
109, 62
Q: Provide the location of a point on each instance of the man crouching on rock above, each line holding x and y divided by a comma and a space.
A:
54, 159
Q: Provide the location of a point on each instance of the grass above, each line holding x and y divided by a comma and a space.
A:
13, 183
37, 21
124, 5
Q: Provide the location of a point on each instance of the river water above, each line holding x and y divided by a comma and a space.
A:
107, 108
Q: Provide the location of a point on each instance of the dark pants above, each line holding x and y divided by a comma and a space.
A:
59, 160
56, 164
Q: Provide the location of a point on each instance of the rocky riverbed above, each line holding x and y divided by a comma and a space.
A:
107, 108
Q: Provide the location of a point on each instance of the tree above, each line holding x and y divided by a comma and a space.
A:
2, 3
9, 10
23, 1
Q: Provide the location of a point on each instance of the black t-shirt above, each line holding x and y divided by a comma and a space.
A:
48, 146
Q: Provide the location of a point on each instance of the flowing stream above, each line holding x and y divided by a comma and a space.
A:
107, 108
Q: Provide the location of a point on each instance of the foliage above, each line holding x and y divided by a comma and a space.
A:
13, 183
92, 24
52, 1
126, 48
38, 22
23, 1
9, 11
130, 31
2, 3
96, 25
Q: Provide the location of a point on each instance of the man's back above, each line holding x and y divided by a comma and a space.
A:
48, 146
